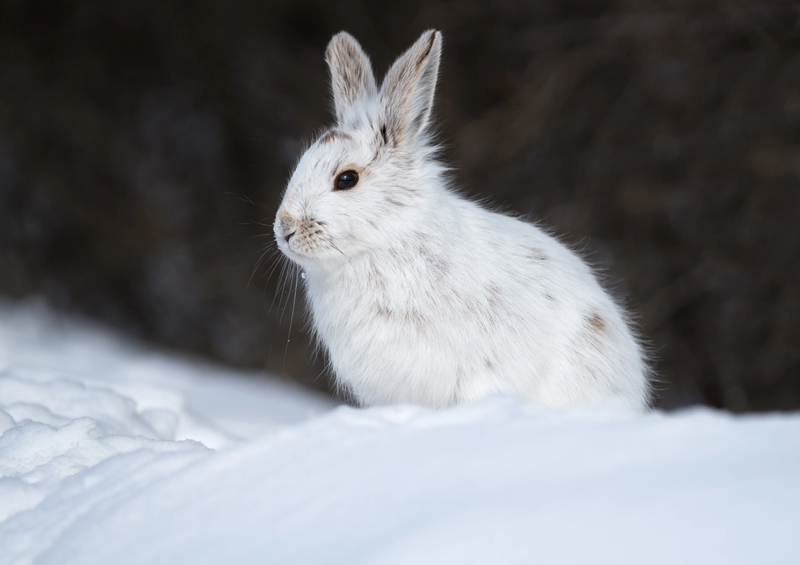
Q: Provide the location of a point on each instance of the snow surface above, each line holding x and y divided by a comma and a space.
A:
113, 453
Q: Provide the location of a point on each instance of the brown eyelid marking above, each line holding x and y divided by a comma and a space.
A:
349, 167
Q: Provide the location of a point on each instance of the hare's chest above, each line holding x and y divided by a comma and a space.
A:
386, 350
361, 326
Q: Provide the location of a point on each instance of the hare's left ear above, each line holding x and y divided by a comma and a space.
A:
351, 74
407, 92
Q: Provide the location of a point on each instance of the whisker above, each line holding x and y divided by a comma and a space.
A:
291, 319
325, 368
283, 310
275, 264
279, 286
343, 255
255, 268
269, 273
246, 198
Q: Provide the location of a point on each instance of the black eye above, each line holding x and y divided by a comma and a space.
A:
345, 180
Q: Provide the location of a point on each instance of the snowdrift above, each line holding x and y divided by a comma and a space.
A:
112, 453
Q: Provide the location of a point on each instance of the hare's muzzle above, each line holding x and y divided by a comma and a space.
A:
285, 226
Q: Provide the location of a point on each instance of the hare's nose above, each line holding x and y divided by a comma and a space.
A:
286, 226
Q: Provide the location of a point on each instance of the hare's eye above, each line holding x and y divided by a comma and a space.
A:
345, 180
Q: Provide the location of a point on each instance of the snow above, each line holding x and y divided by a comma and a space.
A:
113, 453
73, 395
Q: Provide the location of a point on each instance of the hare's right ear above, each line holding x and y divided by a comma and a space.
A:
351, 74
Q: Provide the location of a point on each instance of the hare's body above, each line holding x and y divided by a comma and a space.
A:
422, 296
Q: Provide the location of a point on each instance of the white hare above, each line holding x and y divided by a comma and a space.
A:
422, 296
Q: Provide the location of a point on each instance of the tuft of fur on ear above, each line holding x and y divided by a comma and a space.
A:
351, 74
407, 91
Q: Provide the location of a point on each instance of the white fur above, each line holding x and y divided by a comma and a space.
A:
422, 296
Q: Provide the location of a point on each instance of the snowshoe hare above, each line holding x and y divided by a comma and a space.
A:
422, 296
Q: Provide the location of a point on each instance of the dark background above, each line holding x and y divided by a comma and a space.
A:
144, 145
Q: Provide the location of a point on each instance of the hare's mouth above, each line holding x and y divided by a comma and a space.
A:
298, 247
290, 250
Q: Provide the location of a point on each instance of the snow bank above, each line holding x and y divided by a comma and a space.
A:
73, 395
90, 475
210, 404
53, 429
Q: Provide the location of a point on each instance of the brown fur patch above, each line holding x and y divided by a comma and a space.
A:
414, 318
286, 221
596, 323
331, 135
408, 88
438, 265
383, 311
351, 73
376, 280
426, 51
494, 296
536, 254
351, 167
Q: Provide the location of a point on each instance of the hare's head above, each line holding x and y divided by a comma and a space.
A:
371, 177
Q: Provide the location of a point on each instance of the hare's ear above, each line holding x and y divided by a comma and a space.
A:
407, 91
351, 74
